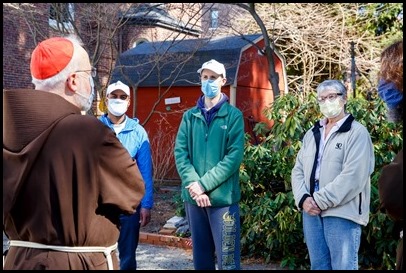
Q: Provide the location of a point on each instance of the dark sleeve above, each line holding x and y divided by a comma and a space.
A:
390, 186
302, 200
120, 180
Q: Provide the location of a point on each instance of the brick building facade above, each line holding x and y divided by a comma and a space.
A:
26, 24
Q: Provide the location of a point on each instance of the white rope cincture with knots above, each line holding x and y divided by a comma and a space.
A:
106, 250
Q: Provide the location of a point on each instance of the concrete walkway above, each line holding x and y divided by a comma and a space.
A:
153, 257
157, 257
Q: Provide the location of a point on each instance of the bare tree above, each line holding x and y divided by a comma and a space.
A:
315, 39
95, 24
268, 50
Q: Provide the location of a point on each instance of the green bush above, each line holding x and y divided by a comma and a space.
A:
180, 207
271, 224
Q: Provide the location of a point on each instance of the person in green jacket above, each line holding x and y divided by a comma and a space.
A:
209, 149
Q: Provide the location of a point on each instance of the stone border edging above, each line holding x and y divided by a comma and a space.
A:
164, 240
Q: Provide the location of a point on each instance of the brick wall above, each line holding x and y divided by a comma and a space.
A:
17, 47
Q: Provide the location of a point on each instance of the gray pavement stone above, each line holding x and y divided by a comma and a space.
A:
152, 257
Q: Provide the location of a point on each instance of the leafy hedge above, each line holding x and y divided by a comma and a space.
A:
271, 223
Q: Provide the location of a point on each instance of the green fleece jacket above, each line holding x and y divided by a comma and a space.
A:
211, 154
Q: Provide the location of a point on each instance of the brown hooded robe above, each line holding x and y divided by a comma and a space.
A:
66, 180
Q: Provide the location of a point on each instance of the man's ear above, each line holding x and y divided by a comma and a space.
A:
72, 82
223, 81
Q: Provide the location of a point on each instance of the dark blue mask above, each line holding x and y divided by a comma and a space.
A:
389, 94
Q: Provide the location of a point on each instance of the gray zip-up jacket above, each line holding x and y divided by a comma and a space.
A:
347, 163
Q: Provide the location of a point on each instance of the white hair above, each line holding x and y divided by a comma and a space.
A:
335, 85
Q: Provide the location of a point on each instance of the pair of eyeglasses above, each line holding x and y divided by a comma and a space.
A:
329, 97
121, 97
93, 71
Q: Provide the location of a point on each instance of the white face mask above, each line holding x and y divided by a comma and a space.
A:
86, 102
117, 107
331, 109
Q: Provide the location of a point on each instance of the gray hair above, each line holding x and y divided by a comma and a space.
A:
57, 82
334, 85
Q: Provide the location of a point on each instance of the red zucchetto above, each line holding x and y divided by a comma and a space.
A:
50, 57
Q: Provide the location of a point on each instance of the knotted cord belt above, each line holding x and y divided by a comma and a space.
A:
106, 250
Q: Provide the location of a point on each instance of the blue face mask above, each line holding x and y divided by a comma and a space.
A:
393, 99
210, 88
389, 94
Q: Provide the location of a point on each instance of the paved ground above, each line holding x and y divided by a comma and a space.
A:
152, 257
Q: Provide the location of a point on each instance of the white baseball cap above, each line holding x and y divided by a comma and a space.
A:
214, 66
118, 86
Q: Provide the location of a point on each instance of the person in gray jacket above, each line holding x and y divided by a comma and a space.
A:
331, 182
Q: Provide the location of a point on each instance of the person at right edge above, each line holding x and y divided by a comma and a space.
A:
331, 182
209, 149
390, 182
66, 176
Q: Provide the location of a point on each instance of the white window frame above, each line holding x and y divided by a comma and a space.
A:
139, 41
66, 25
214, 19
